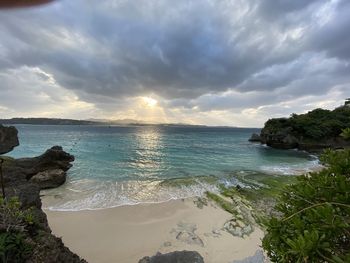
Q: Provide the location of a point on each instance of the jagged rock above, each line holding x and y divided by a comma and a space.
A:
255, 138
281, 139
174, 257
54, 158
17, 173
8, 139
49, 179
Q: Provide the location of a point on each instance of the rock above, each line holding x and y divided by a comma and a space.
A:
174, 257
313, 131
240, 223
49, 179
26, 168
47, 169
255, 138
8, 139
238, 228
247, 230
281, 139
258, 257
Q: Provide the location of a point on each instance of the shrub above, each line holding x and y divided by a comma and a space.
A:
315, 221
13, 247
14, 223
345, 133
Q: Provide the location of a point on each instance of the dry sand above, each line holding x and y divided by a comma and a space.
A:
126, 234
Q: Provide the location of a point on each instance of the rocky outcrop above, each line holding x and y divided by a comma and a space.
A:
285, 139
43, 167
49, 179
54, 158
313, 131
174, 257
8, 139
255, 138
47, 170
280, 139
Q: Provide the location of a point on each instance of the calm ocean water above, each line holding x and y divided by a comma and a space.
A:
128, 165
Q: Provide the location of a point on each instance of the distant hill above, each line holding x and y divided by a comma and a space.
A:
46, 121
56, 121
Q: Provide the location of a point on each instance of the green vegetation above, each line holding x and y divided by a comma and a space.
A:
188, 181
314, 125
13, 247
345, 133
14, 224
263, 185
314, 221
224, 204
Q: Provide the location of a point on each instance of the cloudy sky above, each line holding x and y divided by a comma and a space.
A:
216, 62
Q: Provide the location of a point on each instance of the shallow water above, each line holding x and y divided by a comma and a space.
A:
127, 165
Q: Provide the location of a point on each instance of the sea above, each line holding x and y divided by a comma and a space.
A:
129, 165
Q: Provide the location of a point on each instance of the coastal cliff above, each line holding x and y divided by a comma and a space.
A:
314, 131
25, 233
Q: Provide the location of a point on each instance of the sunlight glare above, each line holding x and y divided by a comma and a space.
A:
150, 102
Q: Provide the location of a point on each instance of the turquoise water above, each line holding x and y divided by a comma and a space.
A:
128, 165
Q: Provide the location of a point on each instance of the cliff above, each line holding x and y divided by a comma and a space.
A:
24, 230
313, 131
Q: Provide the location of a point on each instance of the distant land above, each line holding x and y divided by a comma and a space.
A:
57, 121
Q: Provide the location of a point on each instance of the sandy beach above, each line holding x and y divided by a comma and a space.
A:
128, 233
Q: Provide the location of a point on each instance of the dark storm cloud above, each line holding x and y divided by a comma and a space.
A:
334, 37
277, 8
183, 49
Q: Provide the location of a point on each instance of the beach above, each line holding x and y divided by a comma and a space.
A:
128, 233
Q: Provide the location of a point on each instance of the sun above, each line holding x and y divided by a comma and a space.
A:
150, 102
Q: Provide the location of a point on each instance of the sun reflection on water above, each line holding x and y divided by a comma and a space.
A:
148, 153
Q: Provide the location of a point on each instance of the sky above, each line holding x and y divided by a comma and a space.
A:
212, 62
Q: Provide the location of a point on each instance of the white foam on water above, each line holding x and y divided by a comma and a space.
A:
292, 169
94, 195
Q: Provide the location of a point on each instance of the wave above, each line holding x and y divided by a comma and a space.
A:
292, 169
95, 194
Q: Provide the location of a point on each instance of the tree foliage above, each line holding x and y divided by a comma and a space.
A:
315, 221
314, 125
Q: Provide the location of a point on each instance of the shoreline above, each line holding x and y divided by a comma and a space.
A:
70, 198
128, 233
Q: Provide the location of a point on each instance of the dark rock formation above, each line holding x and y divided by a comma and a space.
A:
54, 158
25, 168
285, 139
49, 179
17, 173
255, 138
175, 257
312, 131
281, 139
8, 139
